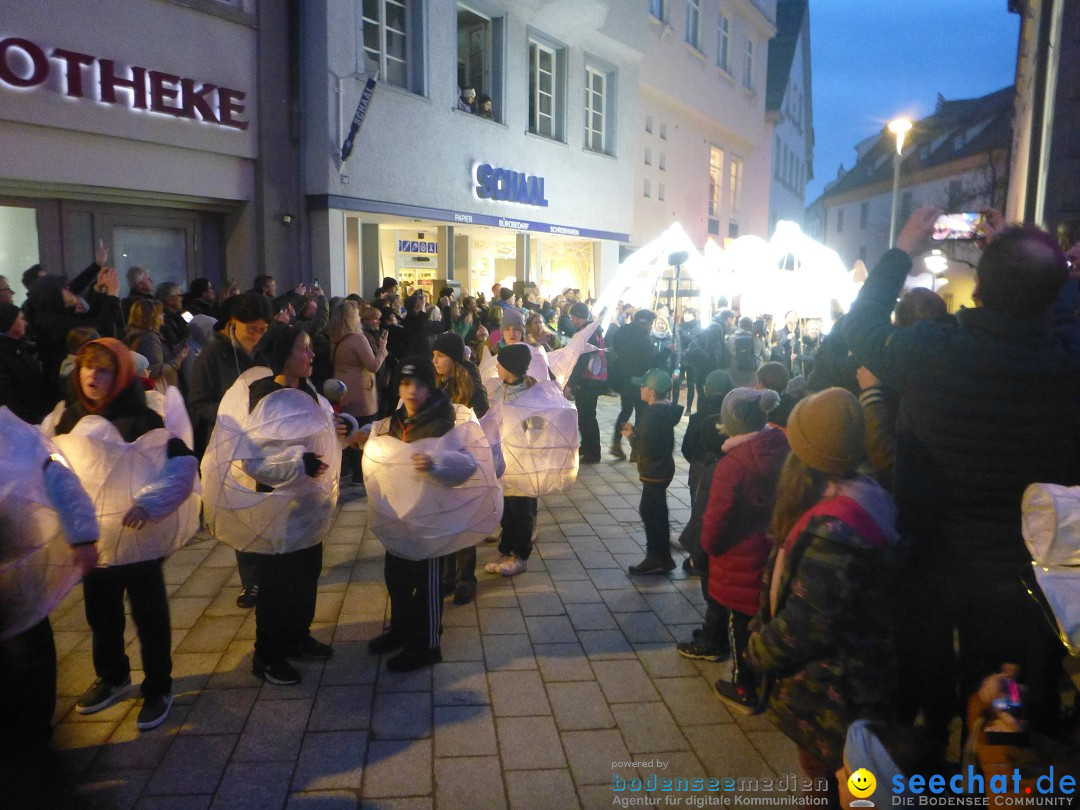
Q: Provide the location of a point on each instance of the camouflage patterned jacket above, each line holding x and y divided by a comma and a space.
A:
828, 644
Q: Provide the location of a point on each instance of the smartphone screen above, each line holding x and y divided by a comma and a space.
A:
187, 316
957, 227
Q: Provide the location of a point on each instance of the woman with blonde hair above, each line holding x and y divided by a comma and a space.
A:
145, 319
356, 362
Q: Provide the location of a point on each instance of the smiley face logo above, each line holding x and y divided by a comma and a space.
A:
861, 783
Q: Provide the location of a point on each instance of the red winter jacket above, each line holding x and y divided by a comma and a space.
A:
734, 530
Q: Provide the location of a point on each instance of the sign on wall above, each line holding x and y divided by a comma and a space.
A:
493, 183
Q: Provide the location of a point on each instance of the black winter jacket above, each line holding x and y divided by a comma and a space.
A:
653, 440
22, 386
989, 404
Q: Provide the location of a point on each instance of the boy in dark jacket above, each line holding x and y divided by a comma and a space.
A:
653, 440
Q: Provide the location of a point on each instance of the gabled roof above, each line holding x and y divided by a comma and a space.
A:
789, 20
984, 122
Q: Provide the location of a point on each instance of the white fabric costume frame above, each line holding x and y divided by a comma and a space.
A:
538, 439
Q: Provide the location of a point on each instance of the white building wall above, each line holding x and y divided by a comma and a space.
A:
791, 142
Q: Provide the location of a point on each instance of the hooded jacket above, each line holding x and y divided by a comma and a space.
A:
219, 363
824, 626
653, 440
735, 527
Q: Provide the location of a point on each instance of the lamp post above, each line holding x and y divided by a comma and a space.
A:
898, 127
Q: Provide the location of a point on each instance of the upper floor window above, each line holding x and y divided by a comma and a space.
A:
723, 47
387, 40
648, 124
864, 215
734, 186
748, 65
716, 180
545, 101
648, 156
662, 162
656, 8
596, 99
479, 61
663, 131
693, 22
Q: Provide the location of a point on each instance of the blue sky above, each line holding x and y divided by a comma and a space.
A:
873, 60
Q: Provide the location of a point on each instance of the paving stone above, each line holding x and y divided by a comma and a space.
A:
274, 730
624, 681
648, 728
220, 711
555, 551
508, 652
541, 790
461, 683
692, 701
329, 760
211, 634
577, 591
594, 756
550, 630
541, 604
342, 708
323, 800
736, 756
643, 627
200, 802
397, 768
579, 705
192, 765
518, 693
205, 581
529, 742
398, 718
563, 662
625, 599
468, 783
419, 680
351, 664
591, 617
777, 749
185, 611
253, 785
533, 582
500, 620
459, 615
604, 644
566, 569
464, 731
597, 559
462, 644
412, 803
674, 608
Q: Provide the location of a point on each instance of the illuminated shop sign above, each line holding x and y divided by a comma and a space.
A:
25, 65
502, 184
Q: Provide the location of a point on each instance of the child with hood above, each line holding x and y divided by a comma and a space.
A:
824, 632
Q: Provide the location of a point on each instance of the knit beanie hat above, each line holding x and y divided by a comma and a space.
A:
80, 335
450, 344
278, 345
512, 317
826, 431
515, 358
744, 409
419, 368
8, 315
718, 382
773, 375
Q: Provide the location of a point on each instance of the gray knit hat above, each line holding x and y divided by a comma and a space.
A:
512, 317
744, 409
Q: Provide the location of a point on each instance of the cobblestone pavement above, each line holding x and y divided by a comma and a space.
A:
553, 682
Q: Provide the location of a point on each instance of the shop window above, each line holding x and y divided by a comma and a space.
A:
393, 42
723, 44
693, 23
748, 65
599, 112
480, 57
716, 175
19, 237
735, 171
546, 102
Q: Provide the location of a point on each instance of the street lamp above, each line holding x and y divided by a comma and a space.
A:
898, 127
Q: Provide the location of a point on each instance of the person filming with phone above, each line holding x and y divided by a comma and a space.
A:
989, 403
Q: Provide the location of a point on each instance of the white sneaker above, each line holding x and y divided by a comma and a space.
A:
513, 566
494, 567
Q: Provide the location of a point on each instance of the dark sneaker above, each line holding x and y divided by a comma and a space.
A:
465, 592
735, 697
616, 450
689, 567
248, 597
703, 650
408, 660
311, 649
385, 643
153, 712
280, 672
101, 696
653, 565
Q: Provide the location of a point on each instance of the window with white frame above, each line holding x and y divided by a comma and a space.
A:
596, 95
648, 187
480, 59
661, 162
734, 186
660, 192
387, 40
648, 156
723, 44
543, 91
663, 131
656, 8
648, 124
693, 22
748, 65
716, 179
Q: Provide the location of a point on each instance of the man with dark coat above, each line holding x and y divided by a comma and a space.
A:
632, 354
588, 381
989, 403
22, 386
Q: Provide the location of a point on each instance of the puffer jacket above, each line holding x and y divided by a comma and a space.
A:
735, 527
654, 441
824, 627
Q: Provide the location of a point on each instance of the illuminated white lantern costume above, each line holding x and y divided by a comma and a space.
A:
36, 565
268, 443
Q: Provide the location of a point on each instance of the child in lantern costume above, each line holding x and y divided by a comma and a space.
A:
431, 491
537, 436
142, 480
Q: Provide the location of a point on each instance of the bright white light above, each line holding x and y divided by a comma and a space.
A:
936, 263
900, 128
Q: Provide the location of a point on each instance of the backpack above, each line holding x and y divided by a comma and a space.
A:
744, 353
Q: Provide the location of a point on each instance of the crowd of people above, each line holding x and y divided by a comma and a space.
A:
856, 497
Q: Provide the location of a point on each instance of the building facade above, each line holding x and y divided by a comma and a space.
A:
141, 124
790, 112
956, 159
